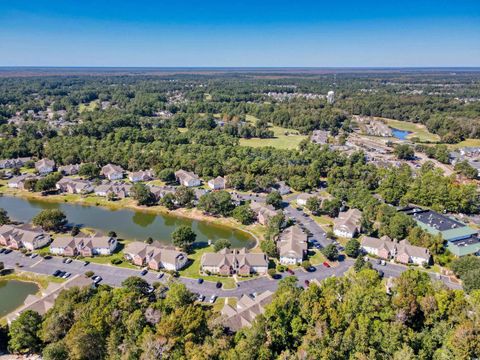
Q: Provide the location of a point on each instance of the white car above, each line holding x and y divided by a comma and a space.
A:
213, 298
67, 275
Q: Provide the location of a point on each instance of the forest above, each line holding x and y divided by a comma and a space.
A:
351, 317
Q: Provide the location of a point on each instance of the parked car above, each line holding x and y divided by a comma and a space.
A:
68, 261
67, 275
34, 256
86, 263
291, 272
144, 272
326, 264
383, 262
213, 298
56, 273
61, 274
200, 281
218, 284
8, 251
2, 250
96, 279
200, 298
380, 273
307, 282
160, 275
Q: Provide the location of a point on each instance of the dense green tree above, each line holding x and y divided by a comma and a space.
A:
275, 199
50, 219
23, 333
404, 152
142, 194
168, 200
331, 252
244, 214
221, 244
184, 196
4, 219
216, 203
89, 171
314, 204
352, 248
269, 247
183, 237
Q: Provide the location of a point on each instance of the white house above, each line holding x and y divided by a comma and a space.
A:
112, 172
292, 245
45, 166
348, 223
219, 183
187, 178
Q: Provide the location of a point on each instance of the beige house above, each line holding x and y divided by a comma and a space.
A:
187, 178
84, 245
402, 251
45, 166
69, 169
348, 223
23, 236
144, 175
219, 183
246, 310
112, 172
263, 212
74, 186
18, 182
292, 245
234, 261
155, 256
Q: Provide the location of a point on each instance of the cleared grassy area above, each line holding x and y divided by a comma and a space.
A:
41, 280
316, 257
467, 142
285, 139
193, 269
93, 105
417, 130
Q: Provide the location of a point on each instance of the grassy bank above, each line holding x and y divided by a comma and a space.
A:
417, 130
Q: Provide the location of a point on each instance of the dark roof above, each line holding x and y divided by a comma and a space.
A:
433, 219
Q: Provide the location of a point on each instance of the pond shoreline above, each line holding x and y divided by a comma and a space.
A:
128, 204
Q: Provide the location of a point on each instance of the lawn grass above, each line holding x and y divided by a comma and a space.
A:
193, 269
41, 280
467, 142
417, 130
93, 105
285, 139
316, 257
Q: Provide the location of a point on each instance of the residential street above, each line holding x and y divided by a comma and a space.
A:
114, 276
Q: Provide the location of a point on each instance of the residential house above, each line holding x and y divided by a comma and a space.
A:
18, 182
303, 198
69, 169
23, 236
219, 183
282, 188
292, 245
144, 175
319, 137
160, 191
263, 212
74, 186
84, 245
155, 256
402, 251
234, 261
13, 163
119, 190
245, 311
112, 172
45, 166
348, 223
187, 178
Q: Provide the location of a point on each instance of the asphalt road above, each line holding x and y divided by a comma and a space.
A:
113, 275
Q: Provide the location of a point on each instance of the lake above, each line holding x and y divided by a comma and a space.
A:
13, 293
128, 224
400, 134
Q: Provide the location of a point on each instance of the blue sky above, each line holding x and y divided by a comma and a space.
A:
239, 33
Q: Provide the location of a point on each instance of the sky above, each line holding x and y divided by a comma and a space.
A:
236, 33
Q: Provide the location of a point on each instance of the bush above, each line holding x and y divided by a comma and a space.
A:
331, 252
89, 273
271, 272
116, 261
352, 248
306, 264
281, 268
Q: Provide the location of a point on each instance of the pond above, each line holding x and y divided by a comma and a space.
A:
400, 134
13, 293
128, 224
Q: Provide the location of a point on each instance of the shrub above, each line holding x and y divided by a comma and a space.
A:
89, 273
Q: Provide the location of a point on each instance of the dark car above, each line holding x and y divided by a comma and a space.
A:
144, 272
8, 251
380, 273
307, 282
200, 281
291, 272
218, 285
61, 273
311, 269
86, 263
326, 264
56, 273
2, 250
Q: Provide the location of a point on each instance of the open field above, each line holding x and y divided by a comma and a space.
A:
467, 142
417, 130
280, 141
88, 107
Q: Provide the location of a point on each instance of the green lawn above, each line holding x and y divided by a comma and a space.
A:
417, 130
467, 142
285, 139
316, 257
193, 270
88, 107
